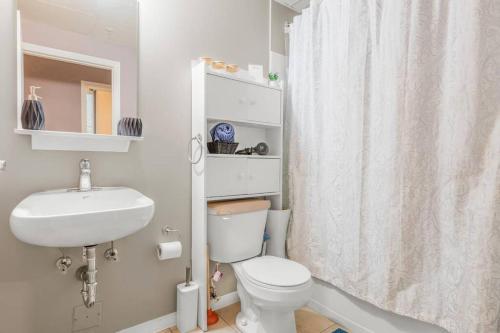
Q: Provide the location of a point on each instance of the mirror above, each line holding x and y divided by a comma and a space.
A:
83, 56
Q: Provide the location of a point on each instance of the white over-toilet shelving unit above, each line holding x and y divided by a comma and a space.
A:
256, 112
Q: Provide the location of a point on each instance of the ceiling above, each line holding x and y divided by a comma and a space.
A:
296, 5
114, 21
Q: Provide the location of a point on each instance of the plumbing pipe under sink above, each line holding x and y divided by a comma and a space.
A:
87, 274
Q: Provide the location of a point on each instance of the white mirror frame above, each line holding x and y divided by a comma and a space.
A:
71, 141
80, 59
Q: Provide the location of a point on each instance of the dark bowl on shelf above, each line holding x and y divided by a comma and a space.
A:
221, 147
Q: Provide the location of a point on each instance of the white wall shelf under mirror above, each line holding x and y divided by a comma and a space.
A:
254, 111
70, 141
85, 71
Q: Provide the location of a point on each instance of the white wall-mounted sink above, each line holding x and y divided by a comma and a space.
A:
67, 218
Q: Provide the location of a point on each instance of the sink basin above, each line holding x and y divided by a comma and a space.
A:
68, 218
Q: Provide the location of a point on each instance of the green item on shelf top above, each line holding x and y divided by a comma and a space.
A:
273, 76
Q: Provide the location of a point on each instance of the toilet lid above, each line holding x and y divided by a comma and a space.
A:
276, 271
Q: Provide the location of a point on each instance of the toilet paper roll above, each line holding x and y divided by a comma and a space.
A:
169, 250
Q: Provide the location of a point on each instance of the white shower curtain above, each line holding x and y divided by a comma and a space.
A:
394, 136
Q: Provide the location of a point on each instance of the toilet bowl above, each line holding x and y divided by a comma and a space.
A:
270, 288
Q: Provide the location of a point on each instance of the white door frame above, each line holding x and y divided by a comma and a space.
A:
84, 85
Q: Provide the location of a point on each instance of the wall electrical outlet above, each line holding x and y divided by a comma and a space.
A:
3, 165
84, 318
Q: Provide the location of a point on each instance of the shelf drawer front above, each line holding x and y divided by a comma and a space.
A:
235, 100
224, 99
263, 104
263, 175
226, 176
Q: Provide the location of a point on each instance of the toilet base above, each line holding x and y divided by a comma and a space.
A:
245, 325
269, 322
254, 319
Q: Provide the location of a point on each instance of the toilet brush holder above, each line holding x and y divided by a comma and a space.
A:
187, 304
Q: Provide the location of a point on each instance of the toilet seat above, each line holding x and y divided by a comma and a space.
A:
275, 272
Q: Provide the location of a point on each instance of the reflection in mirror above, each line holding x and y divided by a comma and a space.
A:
83, 56
75, 97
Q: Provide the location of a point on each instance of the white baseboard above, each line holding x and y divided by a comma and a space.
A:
170, 320
226, 300
153, 325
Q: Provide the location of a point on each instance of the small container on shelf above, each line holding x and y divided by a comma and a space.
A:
218, 64
222, 139
32, 116
222, 147
207, 60
274, 80
232, 68
129, 126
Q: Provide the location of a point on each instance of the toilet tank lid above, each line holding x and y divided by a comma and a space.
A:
237, 206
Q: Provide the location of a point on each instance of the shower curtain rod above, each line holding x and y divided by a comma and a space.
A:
289, 24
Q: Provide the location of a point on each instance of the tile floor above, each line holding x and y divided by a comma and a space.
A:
307, 321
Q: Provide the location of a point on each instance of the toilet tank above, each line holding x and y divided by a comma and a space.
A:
236, 229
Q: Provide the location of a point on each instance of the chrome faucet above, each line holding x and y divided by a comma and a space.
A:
85, 181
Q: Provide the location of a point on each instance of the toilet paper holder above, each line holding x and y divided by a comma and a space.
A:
167, 230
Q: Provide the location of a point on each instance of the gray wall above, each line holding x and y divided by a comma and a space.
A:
34, 297
279, 15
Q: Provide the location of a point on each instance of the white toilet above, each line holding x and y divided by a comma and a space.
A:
270, 288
